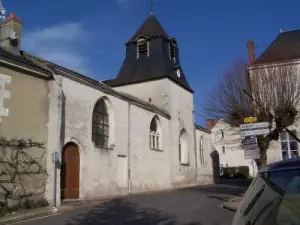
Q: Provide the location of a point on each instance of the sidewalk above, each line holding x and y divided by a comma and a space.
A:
23, 216
233, 204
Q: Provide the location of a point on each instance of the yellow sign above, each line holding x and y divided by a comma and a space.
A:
250, 119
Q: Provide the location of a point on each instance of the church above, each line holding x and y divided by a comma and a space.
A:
131, 134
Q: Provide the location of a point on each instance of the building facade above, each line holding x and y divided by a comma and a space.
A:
24, 106
131, 134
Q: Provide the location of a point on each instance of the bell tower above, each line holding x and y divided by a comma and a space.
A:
151, 54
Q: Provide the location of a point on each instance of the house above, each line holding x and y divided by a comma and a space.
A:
227, 141
283, 50
24, 108
131, 134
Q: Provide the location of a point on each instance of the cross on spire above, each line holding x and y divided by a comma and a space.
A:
151, 6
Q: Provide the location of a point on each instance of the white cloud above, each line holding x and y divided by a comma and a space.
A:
61, 44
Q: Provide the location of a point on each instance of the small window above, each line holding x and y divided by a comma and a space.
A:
289, 145
222, 134
142, 47
223, 150
173, 50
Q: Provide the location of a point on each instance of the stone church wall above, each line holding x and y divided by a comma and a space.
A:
104, 173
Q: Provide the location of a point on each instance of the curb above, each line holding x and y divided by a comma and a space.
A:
23, 216
69, 206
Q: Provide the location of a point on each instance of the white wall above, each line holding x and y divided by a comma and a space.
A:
157, 90
101, 174
179, 103
205, 171
234, 154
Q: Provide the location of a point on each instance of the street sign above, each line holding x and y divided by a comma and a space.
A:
250, 126
254, 132
250, 119
249, 147
252, 154
55, 157
250, 142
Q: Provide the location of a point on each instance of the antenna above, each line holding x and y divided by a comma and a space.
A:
2, 11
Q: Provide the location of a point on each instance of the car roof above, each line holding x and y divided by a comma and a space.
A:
288, 164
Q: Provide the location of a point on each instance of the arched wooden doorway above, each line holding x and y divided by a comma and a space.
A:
70, 170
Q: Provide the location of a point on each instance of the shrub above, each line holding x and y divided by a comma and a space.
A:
236, 172
243, 172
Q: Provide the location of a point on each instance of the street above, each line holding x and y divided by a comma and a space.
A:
190, 206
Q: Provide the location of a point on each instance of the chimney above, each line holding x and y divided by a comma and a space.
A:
251, 54
10, 33
210, 123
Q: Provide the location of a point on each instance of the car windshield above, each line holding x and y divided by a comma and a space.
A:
288, 183
274, 198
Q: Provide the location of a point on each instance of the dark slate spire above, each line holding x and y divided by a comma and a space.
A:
150, 55
150, 28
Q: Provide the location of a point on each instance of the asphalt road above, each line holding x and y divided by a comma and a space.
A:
191, 206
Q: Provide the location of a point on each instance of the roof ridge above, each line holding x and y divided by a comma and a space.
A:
290, 31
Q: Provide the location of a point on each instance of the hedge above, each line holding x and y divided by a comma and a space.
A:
235, 172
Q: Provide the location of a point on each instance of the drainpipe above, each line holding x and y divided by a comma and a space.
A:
128, 151
195, 147
54, 183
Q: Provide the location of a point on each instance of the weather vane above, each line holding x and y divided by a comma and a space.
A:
151, 6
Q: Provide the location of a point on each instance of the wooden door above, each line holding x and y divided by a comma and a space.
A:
70, 172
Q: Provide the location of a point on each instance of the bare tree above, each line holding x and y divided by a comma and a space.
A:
276, 90
22, 171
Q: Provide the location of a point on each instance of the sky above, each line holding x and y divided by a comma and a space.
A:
89, 36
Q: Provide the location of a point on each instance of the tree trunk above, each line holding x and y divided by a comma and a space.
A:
262, 161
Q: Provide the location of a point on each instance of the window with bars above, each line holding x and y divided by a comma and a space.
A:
100, 126
289, 145
142, 47
173, 50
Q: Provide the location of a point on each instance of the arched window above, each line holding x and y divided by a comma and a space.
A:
201, 151
183, 148
100, 126
155, 134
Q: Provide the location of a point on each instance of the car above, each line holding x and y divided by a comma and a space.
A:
273, 197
